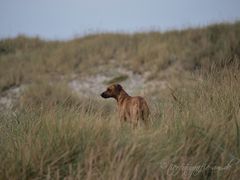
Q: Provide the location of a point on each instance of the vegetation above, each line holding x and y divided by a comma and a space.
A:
24, 60
53, 134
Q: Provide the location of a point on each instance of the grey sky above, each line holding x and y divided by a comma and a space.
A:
62, 19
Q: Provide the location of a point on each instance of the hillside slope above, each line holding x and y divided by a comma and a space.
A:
23, 59
54, 125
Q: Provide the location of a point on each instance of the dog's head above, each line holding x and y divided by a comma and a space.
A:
112, 91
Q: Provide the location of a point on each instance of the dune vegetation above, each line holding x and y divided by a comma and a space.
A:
52, 133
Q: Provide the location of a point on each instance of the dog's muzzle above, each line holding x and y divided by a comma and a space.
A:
104, 95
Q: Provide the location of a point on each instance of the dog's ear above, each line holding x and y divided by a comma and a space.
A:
118, 87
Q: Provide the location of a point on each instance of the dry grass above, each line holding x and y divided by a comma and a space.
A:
23, 60
53, 134
195, 134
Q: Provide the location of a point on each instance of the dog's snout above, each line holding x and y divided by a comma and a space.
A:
103, 95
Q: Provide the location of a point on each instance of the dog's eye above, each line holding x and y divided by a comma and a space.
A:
108, 89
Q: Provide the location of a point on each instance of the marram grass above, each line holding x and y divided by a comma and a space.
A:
194, 135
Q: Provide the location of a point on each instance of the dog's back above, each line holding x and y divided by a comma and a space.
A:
133, 109
140, 110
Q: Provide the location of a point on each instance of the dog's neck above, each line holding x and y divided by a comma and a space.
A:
122, 95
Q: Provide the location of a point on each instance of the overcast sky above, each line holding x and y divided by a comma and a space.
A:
64, 19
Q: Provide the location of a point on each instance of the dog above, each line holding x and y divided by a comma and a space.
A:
132, 109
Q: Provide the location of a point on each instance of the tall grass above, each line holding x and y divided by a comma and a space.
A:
194, 135
23, 59
195, 130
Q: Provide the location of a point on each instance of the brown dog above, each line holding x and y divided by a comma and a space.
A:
133, 109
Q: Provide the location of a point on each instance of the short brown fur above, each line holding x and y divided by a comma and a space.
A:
132, 109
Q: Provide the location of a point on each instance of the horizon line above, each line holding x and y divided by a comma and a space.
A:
96, 31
